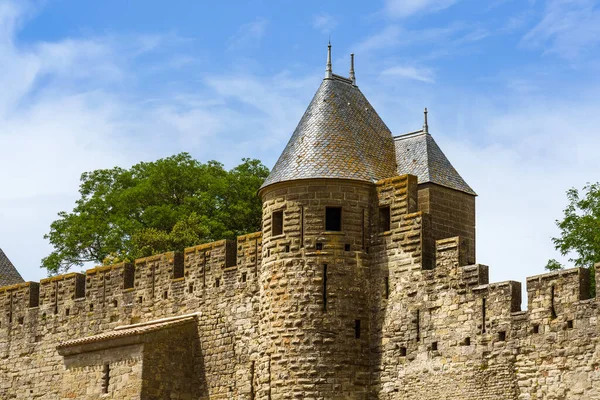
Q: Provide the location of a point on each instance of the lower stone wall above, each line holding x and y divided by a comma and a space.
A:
84, 375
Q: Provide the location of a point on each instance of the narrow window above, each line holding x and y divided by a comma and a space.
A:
333, 219
21, 320
217, 282
191, 288
302, 226
570, 324
502, 336
140, 300
402, 351
386, 287
252, 369
434, 346
115, 303
277, 223
244, 277
91, 307
319, 246
552, 308
536, 329
418, 325
362, 227
105, 378
325, 287
204, 270
483, 315
67, 312
384, 218
347, 247
467, 341
165, 295
357, 328
287, 248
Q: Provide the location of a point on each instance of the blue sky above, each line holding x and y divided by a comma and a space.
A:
512, 88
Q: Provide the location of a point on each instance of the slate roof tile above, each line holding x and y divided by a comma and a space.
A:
418, 154
339, 136
8, 273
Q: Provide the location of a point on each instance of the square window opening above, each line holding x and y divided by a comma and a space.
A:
333, 219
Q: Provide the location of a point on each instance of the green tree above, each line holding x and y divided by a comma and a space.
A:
155, 207
580, 230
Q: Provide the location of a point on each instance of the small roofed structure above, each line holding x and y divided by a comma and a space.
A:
8, 273
340, 136
443, 193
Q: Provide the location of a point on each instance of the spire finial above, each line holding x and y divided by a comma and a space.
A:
352, 76
328, 71
425, 125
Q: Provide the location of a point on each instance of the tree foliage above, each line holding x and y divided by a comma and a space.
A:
580, 229
153, 207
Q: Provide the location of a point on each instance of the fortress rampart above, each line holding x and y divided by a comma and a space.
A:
263, 326
362, 284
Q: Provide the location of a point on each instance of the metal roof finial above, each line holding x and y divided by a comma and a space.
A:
352, 75
328, 71
425, 125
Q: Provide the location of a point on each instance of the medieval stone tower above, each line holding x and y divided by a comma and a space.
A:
362, 284
330, 206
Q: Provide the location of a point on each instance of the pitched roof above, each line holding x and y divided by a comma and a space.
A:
8, 273
339, 136
418, 154
127, 335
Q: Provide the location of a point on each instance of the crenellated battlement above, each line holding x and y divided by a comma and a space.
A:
210, 268
382, 283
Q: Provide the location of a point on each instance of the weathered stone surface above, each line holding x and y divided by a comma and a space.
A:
267, 324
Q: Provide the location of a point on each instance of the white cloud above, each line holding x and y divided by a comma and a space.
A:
388, 37
63, 112
534, 152
419, 74
447, 38
248, 35
324, 22
568, 28
407, 8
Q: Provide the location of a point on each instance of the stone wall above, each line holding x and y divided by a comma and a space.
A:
374, 311
452, 214
313, 290
79, 305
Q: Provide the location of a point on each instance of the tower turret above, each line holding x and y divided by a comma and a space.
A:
337, 219
317, 207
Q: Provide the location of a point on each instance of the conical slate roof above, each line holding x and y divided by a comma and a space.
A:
8, 273
339, 136
418, 154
